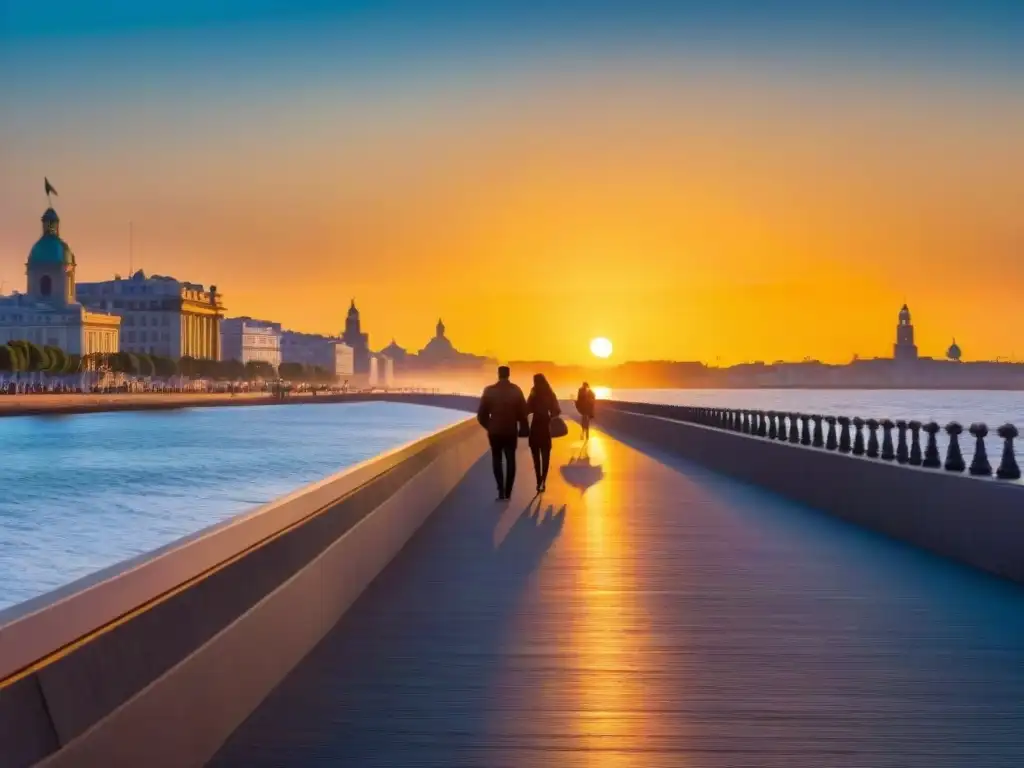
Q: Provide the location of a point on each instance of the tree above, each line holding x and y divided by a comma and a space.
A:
72, 364
232, 370
165, 367
187, 366
259, 369
35, 358
292, 371
146, 366
8, 359
56, 358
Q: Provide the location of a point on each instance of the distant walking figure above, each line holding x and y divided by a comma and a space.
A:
585, 407
502, 413
543, 404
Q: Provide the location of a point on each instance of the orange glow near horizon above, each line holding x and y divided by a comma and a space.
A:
719, 219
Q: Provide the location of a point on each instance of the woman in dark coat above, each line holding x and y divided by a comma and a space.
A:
543, 404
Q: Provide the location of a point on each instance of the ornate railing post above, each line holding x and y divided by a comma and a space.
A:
818, 440
858, 436
748, 419
783, 435
844, 434
772, 431
794, 427
954, 459
872, 450
762, 427
1008, 469
830, 441
979, 462
915, 443
888, 454
931, 451
902, 454
805, 429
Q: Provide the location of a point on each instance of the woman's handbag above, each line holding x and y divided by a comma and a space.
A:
558, 427
524, 429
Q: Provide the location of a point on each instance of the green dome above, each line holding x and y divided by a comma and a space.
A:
50, 249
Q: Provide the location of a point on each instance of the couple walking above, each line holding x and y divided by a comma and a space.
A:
504, 414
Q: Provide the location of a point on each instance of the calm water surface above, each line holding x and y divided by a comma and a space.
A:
84, 492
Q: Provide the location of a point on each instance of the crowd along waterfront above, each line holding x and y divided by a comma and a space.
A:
85, 492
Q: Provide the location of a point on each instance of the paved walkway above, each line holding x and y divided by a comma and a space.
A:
647, 613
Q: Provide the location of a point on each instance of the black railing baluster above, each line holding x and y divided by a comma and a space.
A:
830, 441
954, 459
979, 462
858, 436
902, 454
844, 434
931, 451
818, 440
872, 425
888, 454
1008, 469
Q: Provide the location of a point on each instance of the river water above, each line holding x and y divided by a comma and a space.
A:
79, 493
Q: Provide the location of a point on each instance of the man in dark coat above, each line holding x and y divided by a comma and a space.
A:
502, 413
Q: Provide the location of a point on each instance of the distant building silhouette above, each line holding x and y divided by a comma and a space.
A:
953, 353
904, 349
354, 337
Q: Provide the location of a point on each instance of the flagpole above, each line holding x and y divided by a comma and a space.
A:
131, 247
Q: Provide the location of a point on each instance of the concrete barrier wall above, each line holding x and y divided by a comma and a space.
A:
978, 521
166, 681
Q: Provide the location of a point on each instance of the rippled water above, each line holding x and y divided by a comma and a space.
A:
84, 492
963, 406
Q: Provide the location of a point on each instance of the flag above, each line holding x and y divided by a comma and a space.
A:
49, 187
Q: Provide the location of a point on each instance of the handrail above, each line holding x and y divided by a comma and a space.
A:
40, 627
806, 429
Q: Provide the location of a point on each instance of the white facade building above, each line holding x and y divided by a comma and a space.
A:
245, 339
48, 313
344, 366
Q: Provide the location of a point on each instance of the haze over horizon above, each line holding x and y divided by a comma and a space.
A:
694, 181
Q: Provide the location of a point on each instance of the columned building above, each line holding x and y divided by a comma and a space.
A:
162, 315
49, 313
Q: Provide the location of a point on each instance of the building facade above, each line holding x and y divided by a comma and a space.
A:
245, 339
49, 313
344, 361
161, 315
308, 349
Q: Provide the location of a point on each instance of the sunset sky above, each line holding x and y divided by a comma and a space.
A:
692, 180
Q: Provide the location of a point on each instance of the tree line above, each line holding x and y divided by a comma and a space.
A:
27, 357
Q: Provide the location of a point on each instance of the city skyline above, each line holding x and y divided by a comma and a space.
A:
687, 202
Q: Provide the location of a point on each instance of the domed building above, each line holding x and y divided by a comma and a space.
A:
953, 353
48, 313
439, 352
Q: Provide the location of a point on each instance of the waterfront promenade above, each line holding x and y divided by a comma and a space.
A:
647, 612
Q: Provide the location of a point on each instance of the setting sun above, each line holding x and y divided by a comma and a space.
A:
601, 347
